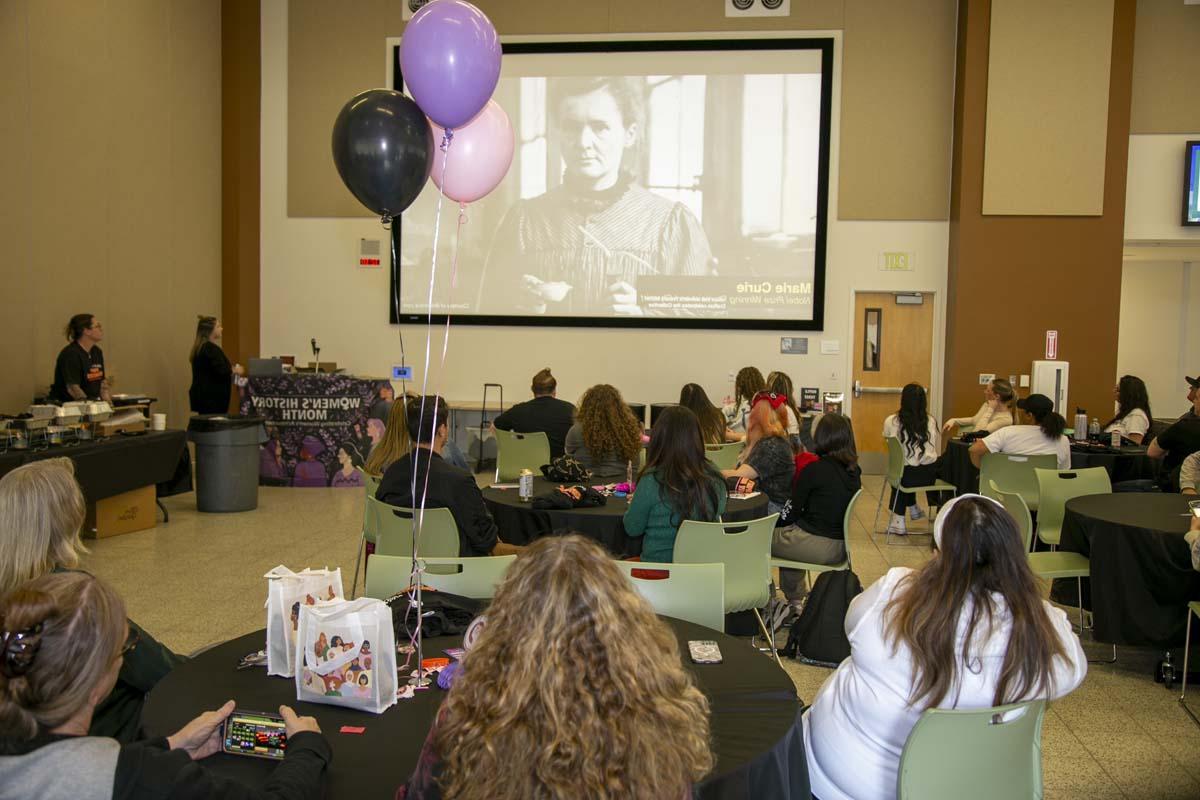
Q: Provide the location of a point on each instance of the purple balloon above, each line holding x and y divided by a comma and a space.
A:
450, 61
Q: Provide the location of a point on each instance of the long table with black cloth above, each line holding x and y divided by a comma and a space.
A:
114, 465
1127, 464
755, 720
521, 523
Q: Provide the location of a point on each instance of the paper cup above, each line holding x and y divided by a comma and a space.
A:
158, 422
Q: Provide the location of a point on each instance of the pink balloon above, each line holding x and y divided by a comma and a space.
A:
478, 157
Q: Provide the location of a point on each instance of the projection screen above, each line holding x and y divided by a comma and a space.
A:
677, 184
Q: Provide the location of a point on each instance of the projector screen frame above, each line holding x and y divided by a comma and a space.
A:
822, 44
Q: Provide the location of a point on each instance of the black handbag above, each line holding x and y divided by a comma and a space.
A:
443, 614
566, 469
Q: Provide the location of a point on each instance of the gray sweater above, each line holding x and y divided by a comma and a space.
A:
608, 466
77, 768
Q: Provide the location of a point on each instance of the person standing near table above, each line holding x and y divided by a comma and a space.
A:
440, 484
79, 369
994, 414
212, 374
545, 413
1044, 437
1133, 415
1176, 443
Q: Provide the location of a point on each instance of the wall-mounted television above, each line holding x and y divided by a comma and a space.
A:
677, 184
1191, 184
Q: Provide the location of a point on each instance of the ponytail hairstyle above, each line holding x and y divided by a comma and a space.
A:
1004, 390
78, 324
204, 329
61, 634
543, 383
781, 383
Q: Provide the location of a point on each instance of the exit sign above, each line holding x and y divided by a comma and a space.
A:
897, 262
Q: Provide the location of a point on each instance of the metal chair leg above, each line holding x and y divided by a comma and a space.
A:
166, 516
878, 508
1187, 643
770, 639
358, 558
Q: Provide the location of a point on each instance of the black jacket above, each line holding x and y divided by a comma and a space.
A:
547, 415
448, 487
211, 379
820, 496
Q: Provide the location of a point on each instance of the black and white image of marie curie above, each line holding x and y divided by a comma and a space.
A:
690, 194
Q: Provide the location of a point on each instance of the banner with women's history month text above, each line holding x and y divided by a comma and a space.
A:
319, 427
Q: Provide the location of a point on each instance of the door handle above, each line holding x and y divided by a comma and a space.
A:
860, 390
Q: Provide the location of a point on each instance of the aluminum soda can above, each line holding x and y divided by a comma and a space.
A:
525, 486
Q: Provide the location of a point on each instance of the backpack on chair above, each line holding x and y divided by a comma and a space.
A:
819, 635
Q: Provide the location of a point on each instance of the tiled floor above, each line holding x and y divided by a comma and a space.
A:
198, 580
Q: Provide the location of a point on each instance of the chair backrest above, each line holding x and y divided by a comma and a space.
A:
895, 468
1015, 504
394, 530
724, 456
518, 451
469, 576
983, 754
1013, 473
847, 521
1056, 487
370, 487
743, 547
692, 592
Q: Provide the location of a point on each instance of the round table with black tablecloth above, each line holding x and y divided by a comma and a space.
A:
1128, 464
521, 523
756, 732
1141, 567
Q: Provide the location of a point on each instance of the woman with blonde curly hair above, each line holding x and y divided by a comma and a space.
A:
606, 436
596, 722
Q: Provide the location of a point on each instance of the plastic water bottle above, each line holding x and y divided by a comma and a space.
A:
1094, 429
629, 475
1081, 424
1116, 439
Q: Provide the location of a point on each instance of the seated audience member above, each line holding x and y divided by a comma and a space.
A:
768, 457
994, 414
813, 517
545, 413
611, 713
1133, 415
606, 437
41, 512
65, 638
781, 384
918, 435
677, 483
969, 629
394, 443
712, 422
1176, 443
1189, 474
1043, 437
748, 383
438, 483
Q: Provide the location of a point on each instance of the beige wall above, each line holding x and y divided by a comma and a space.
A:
111, 201
1166, 61
897, 103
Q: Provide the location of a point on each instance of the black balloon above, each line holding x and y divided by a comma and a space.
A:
383, 149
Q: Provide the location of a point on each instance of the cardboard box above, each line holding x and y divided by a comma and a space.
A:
123, 513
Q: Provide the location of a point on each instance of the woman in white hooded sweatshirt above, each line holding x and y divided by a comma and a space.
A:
905, 658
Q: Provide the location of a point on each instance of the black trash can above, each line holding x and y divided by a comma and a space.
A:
226, 461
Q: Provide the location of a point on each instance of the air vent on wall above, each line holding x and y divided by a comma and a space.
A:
411, 7
754, 8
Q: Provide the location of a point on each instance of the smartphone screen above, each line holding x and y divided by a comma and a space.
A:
250, 733
704, 652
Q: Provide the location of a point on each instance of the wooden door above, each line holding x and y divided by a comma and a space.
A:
893, 346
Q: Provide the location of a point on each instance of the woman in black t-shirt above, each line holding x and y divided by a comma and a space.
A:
211, 370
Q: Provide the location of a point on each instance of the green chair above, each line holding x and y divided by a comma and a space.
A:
518, 451
394, 527
1014, 473
847, 519
724, 456
1193, 608
475, 577
895, 473
745, 550
1056, 487
983, 754
371, 486
692, 592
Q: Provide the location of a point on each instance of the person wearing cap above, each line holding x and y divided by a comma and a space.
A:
1043, 437
1178, 442
1193, 386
